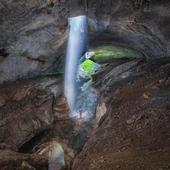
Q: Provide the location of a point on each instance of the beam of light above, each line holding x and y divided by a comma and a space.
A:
77, 46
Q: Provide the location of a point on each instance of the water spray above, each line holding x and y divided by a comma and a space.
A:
76, 48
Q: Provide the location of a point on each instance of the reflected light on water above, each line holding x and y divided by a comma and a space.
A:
77, 46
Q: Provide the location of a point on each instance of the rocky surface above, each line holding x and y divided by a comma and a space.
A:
122, 23
26, 110
50, 155
31, 39
131, 126
33, 33
36, 131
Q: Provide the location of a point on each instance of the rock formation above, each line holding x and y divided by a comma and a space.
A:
130, 128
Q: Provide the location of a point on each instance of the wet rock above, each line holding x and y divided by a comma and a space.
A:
75, 133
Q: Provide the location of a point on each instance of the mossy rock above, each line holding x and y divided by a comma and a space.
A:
107, 54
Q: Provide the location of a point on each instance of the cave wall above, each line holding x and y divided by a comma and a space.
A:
34, 32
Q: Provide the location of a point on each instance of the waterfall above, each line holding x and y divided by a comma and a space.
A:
77, 46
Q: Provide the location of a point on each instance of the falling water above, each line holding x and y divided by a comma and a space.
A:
77, 46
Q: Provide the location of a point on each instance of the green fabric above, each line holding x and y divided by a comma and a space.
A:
87, 69
88, 66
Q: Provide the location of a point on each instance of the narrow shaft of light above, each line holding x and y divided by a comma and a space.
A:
77, 46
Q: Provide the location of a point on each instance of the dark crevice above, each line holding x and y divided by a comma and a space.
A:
29, 146
51, 4
3, 52
37, 60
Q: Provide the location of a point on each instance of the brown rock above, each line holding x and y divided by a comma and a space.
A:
26, 110
139, 138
